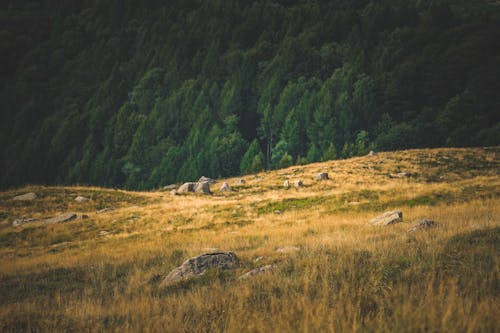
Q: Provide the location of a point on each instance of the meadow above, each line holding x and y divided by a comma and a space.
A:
334, 271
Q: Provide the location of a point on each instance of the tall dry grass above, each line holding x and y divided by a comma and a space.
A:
340, 274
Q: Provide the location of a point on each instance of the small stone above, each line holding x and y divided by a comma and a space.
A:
84, 217
240, 182
26, 197
423, 224
225, 187
288, 249
258, 271
400, 175
197, 266
298, 183
173, 192
387, 218
278, 212
104, 210
371, 153
322, 176
286, 184
81, 199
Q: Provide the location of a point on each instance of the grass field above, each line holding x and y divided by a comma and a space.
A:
334, 273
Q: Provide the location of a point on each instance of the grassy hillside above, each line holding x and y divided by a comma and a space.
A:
334, 271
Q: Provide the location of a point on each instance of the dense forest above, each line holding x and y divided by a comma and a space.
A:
140, 94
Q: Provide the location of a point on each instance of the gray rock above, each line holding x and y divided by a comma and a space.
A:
84, 217
298, 183
203, 188
258, 271
60, 219
322, 176
286, 183
197, 266
186, 187
173, 192
288, 249
400, 175
81, 199
387, 218
423, 224
21, 221
204, 179
225, 187
240, 182
371, 153
104, 210
169, 187
26, 197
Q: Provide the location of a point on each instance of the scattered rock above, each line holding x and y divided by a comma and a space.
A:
26, 197
81, 199
354, 203
387, 218
61, 218
322, 176
104, 233
197, 266
169, 187
400, 175
202, 188
298, 183
173, 192
104, 210
371, 153
240, 182
278, 212
423, 224
21, 221
84, 217
258, 259
286, 183
186, 187
225, 187
204, 179
288, 249
258, 271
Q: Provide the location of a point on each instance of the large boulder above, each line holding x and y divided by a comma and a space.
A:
186, 187
387, 218
423, 224
197, 266
26, 197
322, 176
225, 187
204, 179
203, 188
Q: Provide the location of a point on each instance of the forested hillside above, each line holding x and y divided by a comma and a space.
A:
139, 94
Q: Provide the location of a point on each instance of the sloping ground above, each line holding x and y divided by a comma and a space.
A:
333, 271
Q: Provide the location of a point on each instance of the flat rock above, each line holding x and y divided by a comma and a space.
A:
197, 266
169, 187
203, 188
387, 218
186, 187
204, 179
104, 210
60, 218
225, 187
258, 271
81, 199
400, 175
322, 176
288, 249
423, 224
26, 197
21, 221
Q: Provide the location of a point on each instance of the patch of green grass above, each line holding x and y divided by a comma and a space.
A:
292, 203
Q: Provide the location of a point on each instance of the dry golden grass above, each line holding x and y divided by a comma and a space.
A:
102, 273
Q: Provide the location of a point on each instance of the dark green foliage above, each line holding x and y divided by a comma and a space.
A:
140, 94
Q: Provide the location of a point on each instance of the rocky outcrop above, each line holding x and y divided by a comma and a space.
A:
186, 187
197, 266
26, 197
388, 218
